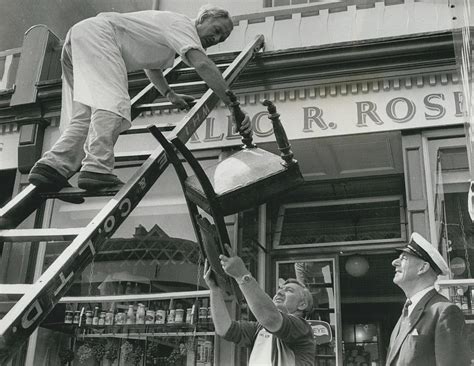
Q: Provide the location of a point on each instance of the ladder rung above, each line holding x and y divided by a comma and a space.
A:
134, 297
21, 235
132, 156
15, 289
144, 129
156, 106
77, 192
188, 84
220, 66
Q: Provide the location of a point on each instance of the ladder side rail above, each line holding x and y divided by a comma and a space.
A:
230, 74
33, 307
23, 204
150, 93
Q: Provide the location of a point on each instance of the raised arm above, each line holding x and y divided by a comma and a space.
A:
220, 315
209, 72
158, 80
182, 101
259, 302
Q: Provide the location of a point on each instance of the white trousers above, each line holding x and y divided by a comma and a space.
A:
89, 138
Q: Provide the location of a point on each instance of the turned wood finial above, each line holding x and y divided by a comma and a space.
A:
239, 117
280, 134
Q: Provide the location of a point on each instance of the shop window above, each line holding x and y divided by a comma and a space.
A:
361, 344
361, 220
143, 299
454, 229
319, 276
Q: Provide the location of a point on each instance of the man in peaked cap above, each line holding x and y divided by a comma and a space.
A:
431, 330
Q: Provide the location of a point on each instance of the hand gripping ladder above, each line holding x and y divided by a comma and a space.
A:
39, 299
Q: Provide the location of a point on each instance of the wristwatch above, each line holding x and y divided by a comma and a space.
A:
244, 279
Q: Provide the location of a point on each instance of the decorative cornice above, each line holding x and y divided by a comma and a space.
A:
311, 10
317, 71
335, 90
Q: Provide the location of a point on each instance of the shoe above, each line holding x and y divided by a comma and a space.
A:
91, 181
48, 179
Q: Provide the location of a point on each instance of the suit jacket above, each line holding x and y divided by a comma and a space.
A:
434, 335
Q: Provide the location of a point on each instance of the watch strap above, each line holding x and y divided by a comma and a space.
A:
246, 278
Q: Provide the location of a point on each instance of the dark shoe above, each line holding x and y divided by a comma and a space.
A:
93, 181
48, 179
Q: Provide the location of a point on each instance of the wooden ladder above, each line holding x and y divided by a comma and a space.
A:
38, 299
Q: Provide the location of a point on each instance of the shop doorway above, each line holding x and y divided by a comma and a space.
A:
319, 274
370, 307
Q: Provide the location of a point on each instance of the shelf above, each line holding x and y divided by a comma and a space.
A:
124, 330
145, 334
135, 297
454, 282
319, 285
329, 310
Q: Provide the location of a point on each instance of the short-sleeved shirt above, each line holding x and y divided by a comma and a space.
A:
292, 344
105, 48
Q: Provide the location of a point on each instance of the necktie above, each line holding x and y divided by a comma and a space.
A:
405, 308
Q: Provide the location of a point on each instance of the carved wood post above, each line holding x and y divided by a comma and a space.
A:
280, 135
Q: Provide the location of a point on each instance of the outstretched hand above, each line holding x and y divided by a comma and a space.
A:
232, 264
182, 101
208, 277
246, 126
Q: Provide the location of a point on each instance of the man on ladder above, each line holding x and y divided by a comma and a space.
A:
96, 57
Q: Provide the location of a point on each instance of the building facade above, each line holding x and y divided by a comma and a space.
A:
372, 100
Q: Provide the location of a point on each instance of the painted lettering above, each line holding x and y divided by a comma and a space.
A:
141, 185
125, 207
392, 109
231, 131
459, 104
31, 315
109, 224
64, 280
313, 115
435, 107
367, 109
210, 130
88, 245
257, 124
194, 138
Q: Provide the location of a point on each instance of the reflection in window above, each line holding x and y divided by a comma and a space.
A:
318, 277
339, 221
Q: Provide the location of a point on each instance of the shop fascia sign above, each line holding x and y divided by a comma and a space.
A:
336, 116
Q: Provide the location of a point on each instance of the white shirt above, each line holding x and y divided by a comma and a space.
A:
261, 354
415, 299
106, 47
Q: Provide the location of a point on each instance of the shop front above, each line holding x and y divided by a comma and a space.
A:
336, 233
376, 127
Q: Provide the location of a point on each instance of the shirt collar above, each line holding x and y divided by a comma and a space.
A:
415, 299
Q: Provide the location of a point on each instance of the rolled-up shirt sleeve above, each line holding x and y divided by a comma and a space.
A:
293, 328
242, 332
182, 37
